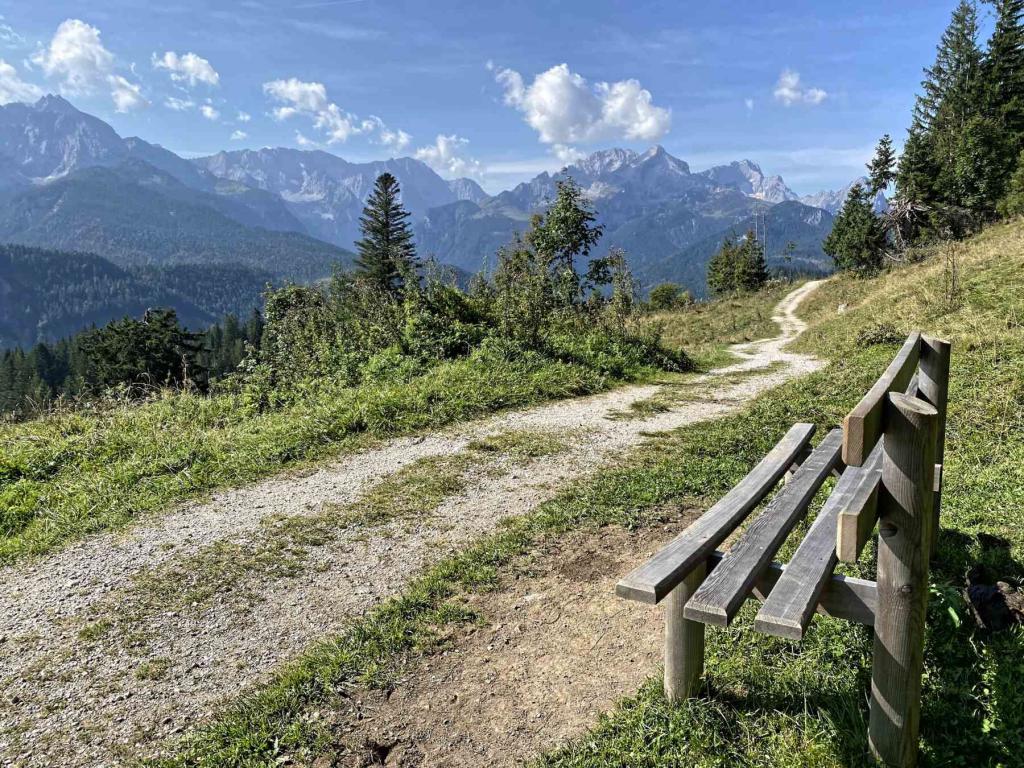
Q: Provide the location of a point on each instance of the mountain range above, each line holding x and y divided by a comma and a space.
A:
69, 182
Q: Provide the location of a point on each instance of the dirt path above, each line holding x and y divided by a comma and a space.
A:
75, 696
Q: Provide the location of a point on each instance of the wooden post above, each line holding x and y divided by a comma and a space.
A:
905, 519
684, 640
933, 386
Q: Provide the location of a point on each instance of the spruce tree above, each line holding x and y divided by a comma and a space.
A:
857, 239
386, 255
751, 266
721, 273
882, 168
1004, 69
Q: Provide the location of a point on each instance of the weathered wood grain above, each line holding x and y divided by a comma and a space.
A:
857, 502
726, 587
863, 425
934, 388
652, 581
844, 597
904, 519
684, 640
788, 610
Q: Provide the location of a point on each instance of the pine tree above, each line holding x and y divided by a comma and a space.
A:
386, 254
721, 274
1004, 69
952, 85
857, 240
751, 266
917, 171
882, 168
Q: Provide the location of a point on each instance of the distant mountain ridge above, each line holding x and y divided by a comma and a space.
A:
294, 212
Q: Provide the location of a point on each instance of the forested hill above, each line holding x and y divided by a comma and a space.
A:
136, 215
47, 295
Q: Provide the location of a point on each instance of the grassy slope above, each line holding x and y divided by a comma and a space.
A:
705, 329
78, 472
769, 702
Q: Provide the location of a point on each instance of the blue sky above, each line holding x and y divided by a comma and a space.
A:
495, 90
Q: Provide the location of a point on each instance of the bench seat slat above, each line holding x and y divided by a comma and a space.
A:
788, 610
863, 425
652, 581
724, 590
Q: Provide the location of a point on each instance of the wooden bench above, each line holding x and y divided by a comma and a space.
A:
888, 458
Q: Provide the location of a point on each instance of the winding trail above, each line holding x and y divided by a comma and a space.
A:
71, 698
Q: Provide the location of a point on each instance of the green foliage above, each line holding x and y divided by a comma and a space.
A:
738, 267
667, 296
154, 351
386, 256
882, 168
968, 126
1013, 203
565, 233
857, 240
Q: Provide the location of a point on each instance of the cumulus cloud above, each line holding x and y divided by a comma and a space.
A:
564, 108
789, 90
209, 112
13, 88
749, 104
302, 141
243, 117
127, 95
566, 154
187, 68
77, 58
239, 136
446, 157
295, 97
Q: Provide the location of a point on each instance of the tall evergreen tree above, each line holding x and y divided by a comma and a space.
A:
857, 239
1004, 68
721, 273
882, 168
751, 266
386, 254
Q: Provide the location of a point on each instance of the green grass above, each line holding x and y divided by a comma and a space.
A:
766, 701
705, 329
79, 472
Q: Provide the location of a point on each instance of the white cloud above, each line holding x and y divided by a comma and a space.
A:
564, 108
243, 117
302, 141
749, 104
790, 91
296, 97
13, 88
9, 36
395, 139
178, 105
127, 96
445, 156
209, 112
567, 155
239, 136
187, 68
77, 58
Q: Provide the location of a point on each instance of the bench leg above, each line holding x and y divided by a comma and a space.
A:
904, 543
684, 640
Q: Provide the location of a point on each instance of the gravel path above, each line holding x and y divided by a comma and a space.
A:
69, 701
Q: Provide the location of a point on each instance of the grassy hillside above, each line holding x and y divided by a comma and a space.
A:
766, 702
769, 702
